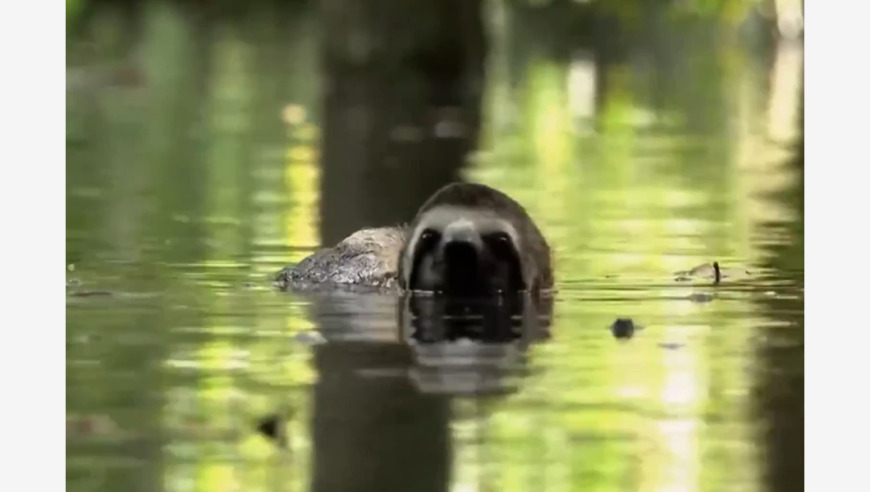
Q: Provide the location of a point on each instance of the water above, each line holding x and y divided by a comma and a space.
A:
217, 156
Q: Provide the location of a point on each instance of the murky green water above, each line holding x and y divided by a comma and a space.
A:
218, 158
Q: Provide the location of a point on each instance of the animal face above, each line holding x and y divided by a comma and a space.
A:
464, 253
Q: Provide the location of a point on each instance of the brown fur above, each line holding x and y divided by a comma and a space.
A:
366, 258
533, 248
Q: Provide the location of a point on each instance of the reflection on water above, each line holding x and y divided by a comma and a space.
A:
471, 347
234, 151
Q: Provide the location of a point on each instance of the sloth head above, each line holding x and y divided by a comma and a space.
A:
472, 240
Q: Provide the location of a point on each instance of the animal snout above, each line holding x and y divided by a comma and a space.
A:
460, 241
459, 251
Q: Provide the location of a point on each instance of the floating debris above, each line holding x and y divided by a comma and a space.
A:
623, 328
710, 271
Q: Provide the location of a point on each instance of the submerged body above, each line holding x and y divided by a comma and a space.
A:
367, 258
466, 239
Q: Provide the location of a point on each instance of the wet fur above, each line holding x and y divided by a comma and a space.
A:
479, 203
367, 258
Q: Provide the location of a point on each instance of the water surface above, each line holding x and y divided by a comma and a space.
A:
204, 171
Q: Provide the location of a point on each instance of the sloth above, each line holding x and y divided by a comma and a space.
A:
466, 240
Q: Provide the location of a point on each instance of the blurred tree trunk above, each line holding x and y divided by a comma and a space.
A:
401, 112
401, 105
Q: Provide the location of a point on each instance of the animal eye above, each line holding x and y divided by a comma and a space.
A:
502, 238
428, 235
500, 242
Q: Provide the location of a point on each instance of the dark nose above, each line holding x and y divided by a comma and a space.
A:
459, 252
460, 241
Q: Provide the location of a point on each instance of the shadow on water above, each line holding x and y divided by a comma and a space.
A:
209, 146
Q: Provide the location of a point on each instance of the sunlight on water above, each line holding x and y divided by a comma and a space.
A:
635, 168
